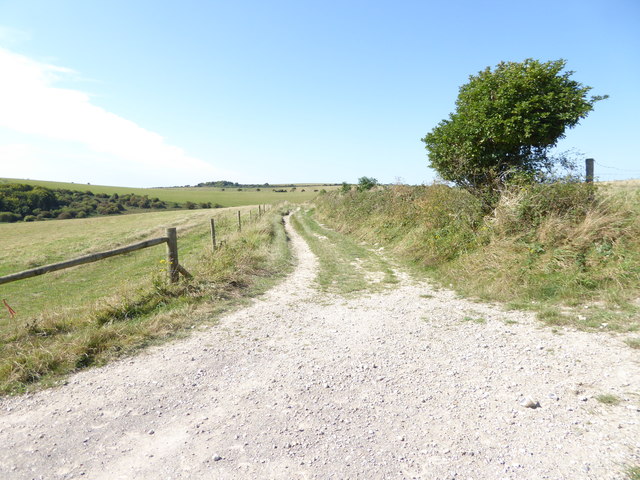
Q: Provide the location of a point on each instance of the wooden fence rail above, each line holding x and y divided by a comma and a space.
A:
172, 254
171, 239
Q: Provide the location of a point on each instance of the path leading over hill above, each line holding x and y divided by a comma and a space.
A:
408, 383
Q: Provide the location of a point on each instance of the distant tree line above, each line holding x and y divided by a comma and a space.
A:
20, 202
228, 184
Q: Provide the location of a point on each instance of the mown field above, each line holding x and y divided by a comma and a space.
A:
228, 197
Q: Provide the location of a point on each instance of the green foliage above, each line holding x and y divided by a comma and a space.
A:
9, 217
506, 121
345, 188
366, 183
39, 203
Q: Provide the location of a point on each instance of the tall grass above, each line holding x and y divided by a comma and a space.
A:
563, 249
38, 349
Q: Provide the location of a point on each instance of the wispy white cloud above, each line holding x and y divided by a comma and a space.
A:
31, 104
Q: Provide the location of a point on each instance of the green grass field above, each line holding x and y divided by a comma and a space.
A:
28, 245
229, 197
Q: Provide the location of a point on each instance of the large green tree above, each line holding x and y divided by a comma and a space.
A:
507, 120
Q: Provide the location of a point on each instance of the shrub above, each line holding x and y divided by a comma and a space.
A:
507, 121
366, 183
108, 209
9, 217
30, 218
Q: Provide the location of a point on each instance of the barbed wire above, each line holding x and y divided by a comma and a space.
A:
616, 168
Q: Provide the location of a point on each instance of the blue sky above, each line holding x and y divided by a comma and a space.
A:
159, 93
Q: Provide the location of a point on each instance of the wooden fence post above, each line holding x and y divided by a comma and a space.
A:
213, 233
589, 173
172, 255
239, 222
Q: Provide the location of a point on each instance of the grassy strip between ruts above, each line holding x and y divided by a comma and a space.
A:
38, 351
345, 266
565, 250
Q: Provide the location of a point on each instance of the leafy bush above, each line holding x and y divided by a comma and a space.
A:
507, 120
108, 209
366, 183
9, 217
41, 202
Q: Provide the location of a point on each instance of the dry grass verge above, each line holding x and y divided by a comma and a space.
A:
564, 249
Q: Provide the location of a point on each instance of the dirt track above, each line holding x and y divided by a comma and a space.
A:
409, 383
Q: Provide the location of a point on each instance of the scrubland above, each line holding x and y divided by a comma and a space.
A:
570, 251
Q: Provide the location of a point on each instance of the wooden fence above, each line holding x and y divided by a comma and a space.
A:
171, 239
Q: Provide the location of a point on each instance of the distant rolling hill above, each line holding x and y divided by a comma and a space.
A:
227, 197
